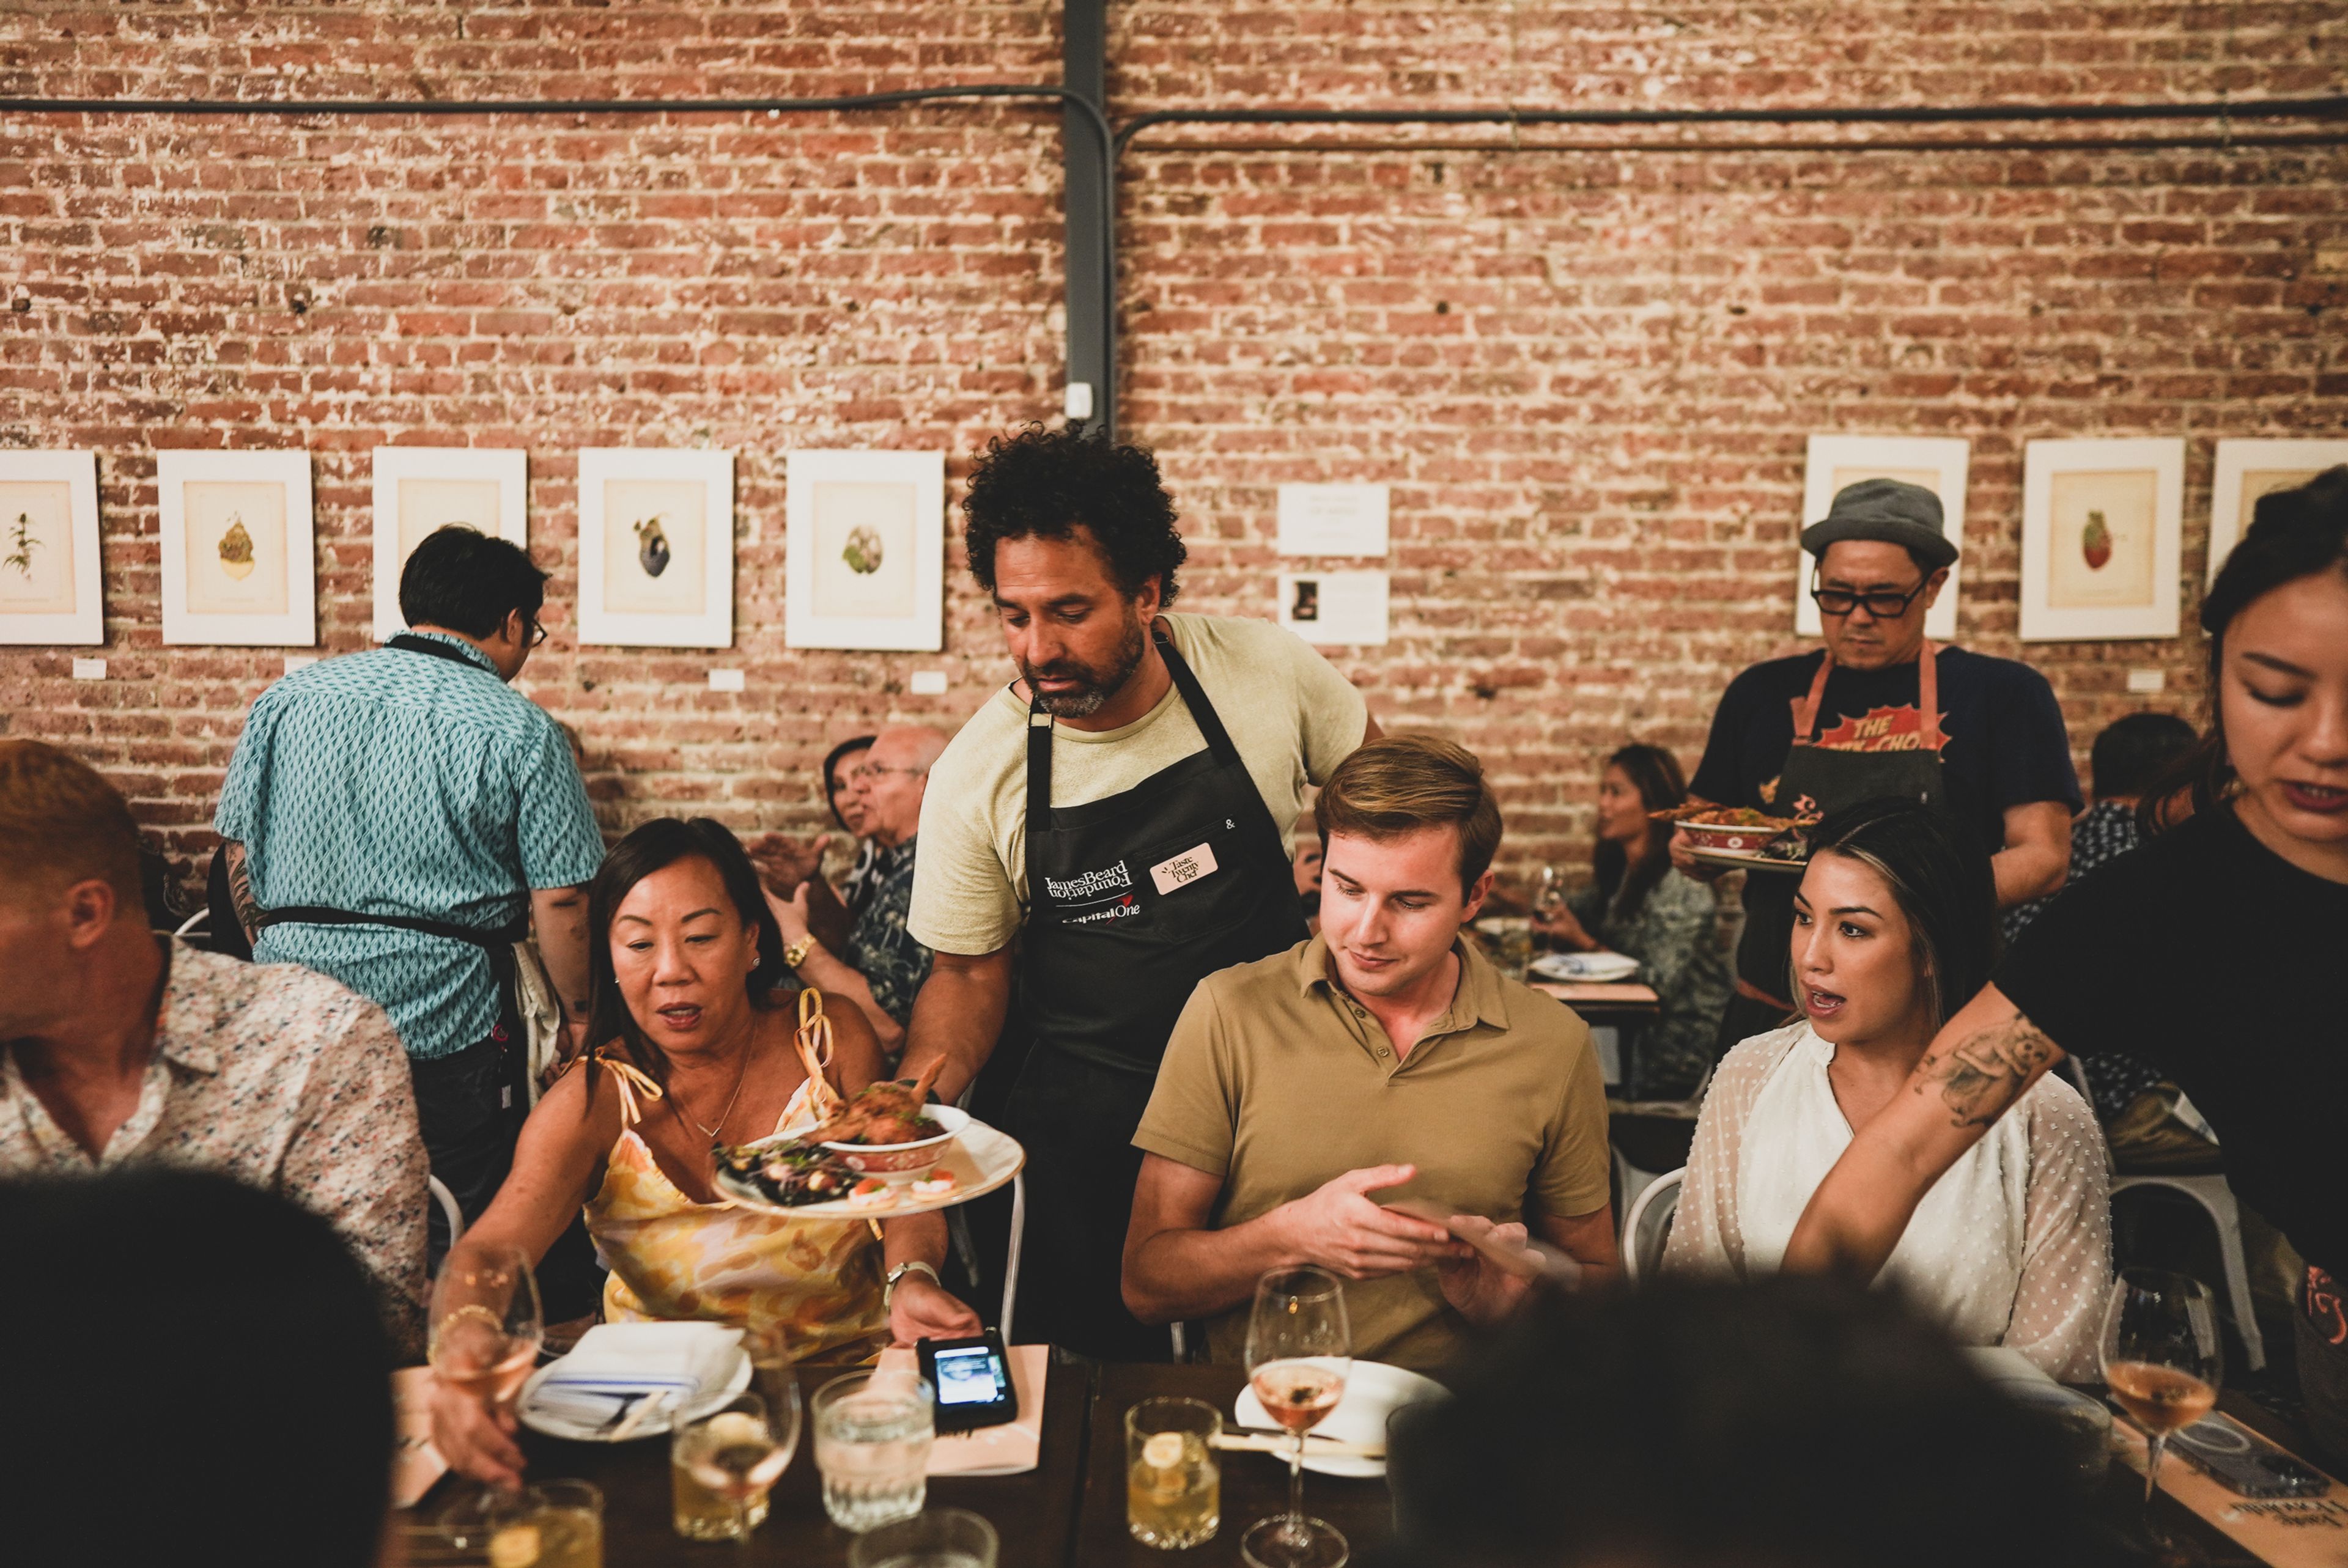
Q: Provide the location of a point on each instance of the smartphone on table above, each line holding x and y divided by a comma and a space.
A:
972, 1379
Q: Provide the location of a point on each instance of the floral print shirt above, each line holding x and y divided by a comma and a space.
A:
1675, 936
279, 1077
880, 948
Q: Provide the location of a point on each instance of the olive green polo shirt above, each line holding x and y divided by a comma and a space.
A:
1277, 1081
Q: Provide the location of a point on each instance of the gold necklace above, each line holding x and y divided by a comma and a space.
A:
739, 1078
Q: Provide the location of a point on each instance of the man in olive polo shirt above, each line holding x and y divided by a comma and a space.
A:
1381, 1059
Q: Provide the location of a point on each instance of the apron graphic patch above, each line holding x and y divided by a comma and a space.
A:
1089, 884
1181, 870
1899, 729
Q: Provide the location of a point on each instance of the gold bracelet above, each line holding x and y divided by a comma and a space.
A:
797, 953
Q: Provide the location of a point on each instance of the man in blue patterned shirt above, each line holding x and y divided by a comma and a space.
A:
883, 967
399, 818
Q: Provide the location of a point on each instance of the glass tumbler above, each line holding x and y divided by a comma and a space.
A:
1173, 1481
872, 1437
936, 1538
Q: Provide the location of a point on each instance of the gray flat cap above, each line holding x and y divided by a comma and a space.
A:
1889, 510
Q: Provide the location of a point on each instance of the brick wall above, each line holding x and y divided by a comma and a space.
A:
1588, 374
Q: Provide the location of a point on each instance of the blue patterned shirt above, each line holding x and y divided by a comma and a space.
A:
393, 783
880, 948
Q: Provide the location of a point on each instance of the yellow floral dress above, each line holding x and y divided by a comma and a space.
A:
672, 1257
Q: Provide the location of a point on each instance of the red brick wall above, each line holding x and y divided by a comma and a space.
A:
1588, 375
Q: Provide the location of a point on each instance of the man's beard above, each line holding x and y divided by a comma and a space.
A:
1094, 687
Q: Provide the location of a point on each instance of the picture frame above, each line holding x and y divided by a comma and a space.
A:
655, 546
230, 579
52, 592
2250, 467
2103, 525
420, 488
1337, 609
1939, 464
864, 550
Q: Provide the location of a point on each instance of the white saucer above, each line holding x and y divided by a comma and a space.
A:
558, 1426
1374, 1392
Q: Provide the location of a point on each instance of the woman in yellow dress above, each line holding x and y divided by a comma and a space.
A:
697, 1048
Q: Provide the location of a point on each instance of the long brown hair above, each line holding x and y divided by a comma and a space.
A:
1654, 772
2294, 533
655, 846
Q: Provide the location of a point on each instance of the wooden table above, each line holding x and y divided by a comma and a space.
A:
1069, 1511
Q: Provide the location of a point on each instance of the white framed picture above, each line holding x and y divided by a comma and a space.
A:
655, 546
1937, 462
1337, 609
2248, 469
864, 550
418, 490
238, 570
50, 589
2103, 525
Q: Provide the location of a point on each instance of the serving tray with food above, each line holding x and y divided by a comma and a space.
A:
882, 1151
1742, 837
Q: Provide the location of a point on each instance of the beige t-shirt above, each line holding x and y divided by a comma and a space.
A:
1292, 717
1276, 1082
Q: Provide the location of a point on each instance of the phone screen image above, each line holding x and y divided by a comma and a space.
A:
968, 1377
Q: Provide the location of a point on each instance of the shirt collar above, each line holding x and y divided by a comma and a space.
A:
472, 654
1480, 998
186, 1023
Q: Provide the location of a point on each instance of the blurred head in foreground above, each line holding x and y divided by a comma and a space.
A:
198, 1375
1797, 1422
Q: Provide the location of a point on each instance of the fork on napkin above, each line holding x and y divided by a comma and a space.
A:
618, 1366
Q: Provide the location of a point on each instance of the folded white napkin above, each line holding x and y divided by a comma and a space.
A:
616, 1363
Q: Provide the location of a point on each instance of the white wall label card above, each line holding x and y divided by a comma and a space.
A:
1332, 520
726, 680
1335, 608
89, 669
927, 683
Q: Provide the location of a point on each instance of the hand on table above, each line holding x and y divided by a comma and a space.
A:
1684, 861
1485, 1293
1338, 1227
921, 1310
476, 1437
785, 863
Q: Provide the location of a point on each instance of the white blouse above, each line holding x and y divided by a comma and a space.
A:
2013, 1246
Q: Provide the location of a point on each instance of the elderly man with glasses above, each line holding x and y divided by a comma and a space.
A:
881, 967
1883, 711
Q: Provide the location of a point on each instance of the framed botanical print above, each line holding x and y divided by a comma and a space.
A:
1937, 462
2102, 534
2248, 469
420, 490
237, 562
864, 553
655, 546
50, 589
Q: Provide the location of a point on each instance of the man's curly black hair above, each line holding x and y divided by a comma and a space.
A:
1045, 482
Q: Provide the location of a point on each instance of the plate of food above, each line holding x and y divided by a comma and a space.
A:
881, 1152
1787, 854
1733, 828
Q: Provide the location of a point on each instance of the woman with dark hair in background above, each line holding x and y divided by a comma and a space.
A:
1639, 905
1894, 923
847, 807
687, 965
2213, 952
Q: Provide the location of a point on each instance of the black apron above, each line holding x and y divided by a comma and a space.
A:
1132, 901
1819, 780
497, 945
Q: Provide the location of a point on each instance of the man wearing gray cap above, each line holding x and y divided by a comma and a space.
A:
1881, 711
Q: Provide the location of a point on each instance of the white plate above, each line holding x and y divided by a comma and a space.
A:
1596, 969
1374, 1392
1740, 860
659, 1421
982, 1159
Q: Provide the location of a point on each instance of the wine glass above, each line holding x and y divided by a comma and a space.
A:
2162, 1360
735, 1453
487, 1327
1299, 1350
1548, 893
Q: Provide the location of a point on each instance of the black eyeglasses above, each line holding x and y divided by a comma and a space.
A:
1884, 606
537, 631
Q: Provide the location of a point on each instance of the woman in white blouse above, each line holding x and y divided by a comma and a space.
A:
1894, 929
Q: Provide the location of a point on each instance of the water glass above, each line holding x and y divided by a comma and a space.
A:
872, 1436
939, 1538
1512, 943
1173, 1483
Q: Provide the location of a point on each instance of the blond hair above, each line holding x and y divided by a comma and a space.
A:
1399, 784
61, 822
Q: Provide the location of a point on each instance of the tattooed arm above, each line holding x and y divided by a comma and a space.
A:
1982, 1062
240, 891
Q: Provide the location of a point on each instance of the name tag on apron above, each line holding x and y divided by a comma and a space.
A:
1181, 870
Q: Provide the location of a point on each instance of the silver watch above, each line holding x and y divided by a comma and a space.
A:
889, 1292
